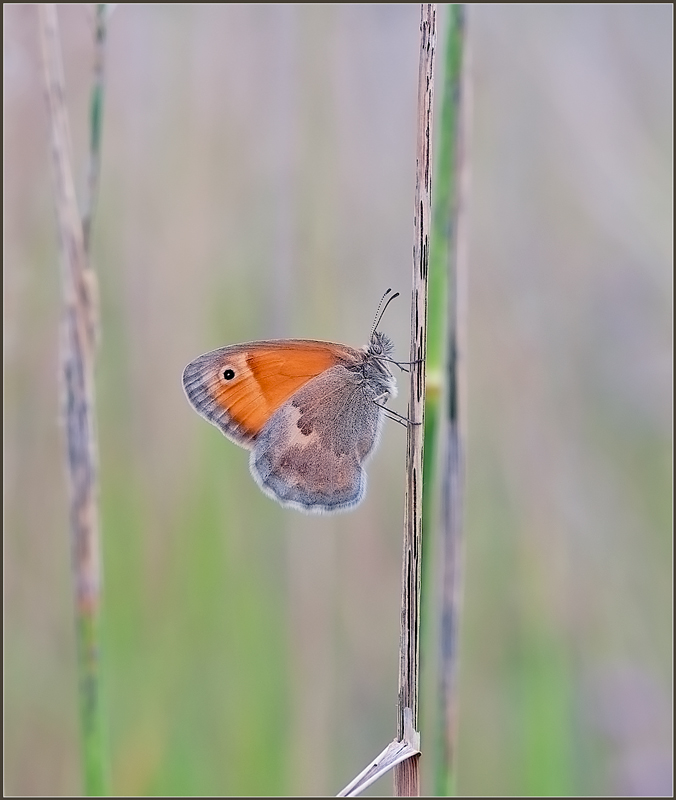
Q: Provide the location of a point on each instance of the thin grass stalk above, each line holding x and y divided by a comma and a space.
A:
435, 378
95, 125
441, 244
77, 350
441, 287
449, 232
407, 773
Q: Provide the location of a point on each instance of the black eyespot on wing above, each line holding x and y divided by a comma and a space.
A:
229, 374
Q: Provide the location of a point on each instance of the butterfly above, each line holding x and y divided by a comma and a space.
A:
309, 411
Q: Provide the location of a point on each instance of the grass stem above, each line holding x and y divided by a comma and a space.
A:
407, 773
447, 247
78, 345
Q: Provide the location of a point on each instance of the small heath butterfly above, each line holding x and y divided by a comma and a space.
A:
310, 412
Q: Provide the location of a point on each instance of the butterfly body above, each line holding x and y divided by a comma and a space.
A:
309, 411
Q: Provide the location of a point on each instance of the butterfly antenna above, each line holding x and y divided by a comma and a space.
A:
379, 313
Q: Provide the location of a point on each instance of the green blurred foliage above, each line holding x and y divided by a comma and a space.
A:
257, 182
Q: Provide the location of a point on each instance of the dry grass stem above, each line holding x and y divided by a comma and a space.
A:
77, 344
407, 774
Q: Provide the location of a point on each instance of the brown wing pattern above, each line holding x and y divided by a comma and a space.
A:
238, 388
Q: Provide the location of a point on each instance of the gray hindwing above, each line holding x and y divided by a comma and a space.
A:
309, 455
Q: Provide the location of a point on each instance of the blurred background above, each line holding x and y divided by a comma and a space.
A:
257, 182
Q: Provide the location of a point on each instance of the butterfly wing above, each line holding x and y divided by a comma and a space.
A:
309, 456
238, 388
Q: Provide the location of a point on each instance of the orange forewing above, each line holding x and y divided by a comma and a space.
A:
266, 375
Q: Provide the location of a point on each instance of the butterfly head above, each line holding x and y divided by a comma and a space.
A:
380, 345
375, 367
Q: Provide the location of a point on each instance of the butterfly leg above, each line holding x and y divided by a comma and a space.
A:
390, 414
401, 364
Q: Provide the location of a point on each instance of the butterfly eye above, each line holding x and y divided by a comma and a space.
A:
229, 374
